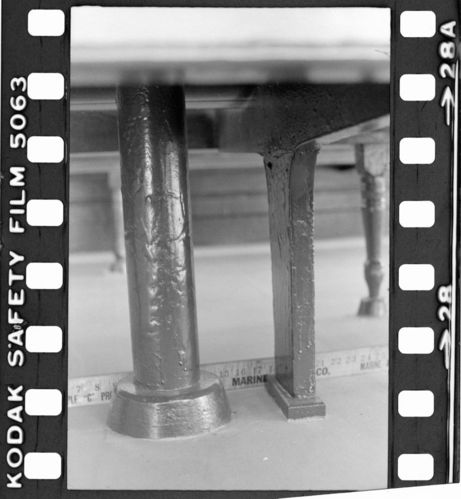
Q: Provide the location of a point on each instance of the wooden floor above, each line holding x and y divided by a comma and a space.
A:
259, 449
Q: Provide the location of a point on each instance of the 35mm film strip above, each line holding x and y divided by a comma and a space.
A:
423, 298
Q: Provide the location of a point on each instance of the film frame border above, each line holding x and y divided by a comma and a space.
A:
23, 54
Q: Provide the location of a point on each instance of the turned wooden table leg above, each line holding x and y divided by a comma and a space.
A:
290, 182
372, 161
168, 395
118, 241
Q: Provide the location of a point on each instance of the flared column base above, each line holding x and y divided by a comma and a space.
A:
140, 412
295, 407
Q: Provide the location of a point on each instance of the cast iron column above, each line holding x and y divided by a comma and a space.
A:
168, 395
290, 184
371, 163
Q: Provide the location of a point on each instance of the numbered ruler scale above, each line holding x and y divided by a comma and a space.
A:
241, 374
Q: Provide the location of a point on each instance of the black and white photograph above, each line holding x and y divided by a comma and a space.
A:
229, 249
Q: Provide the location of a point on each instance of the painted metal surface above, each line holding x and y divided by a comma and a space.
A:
290, 182
140, 412
157, 236
167, 396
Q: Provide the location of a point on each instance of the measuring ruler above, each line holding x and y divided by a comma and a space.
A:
241, 374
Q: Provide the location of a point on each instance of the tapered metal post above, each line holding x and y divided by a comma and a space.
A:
168, 395
290, 183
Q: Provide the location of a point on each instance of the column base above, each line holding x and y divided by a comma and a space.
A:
295, 407
140, 412
118, 266
372, 307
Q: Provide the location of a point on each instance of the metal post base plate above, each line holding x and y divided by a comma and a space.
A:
295, 407
372, 307
141, 412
